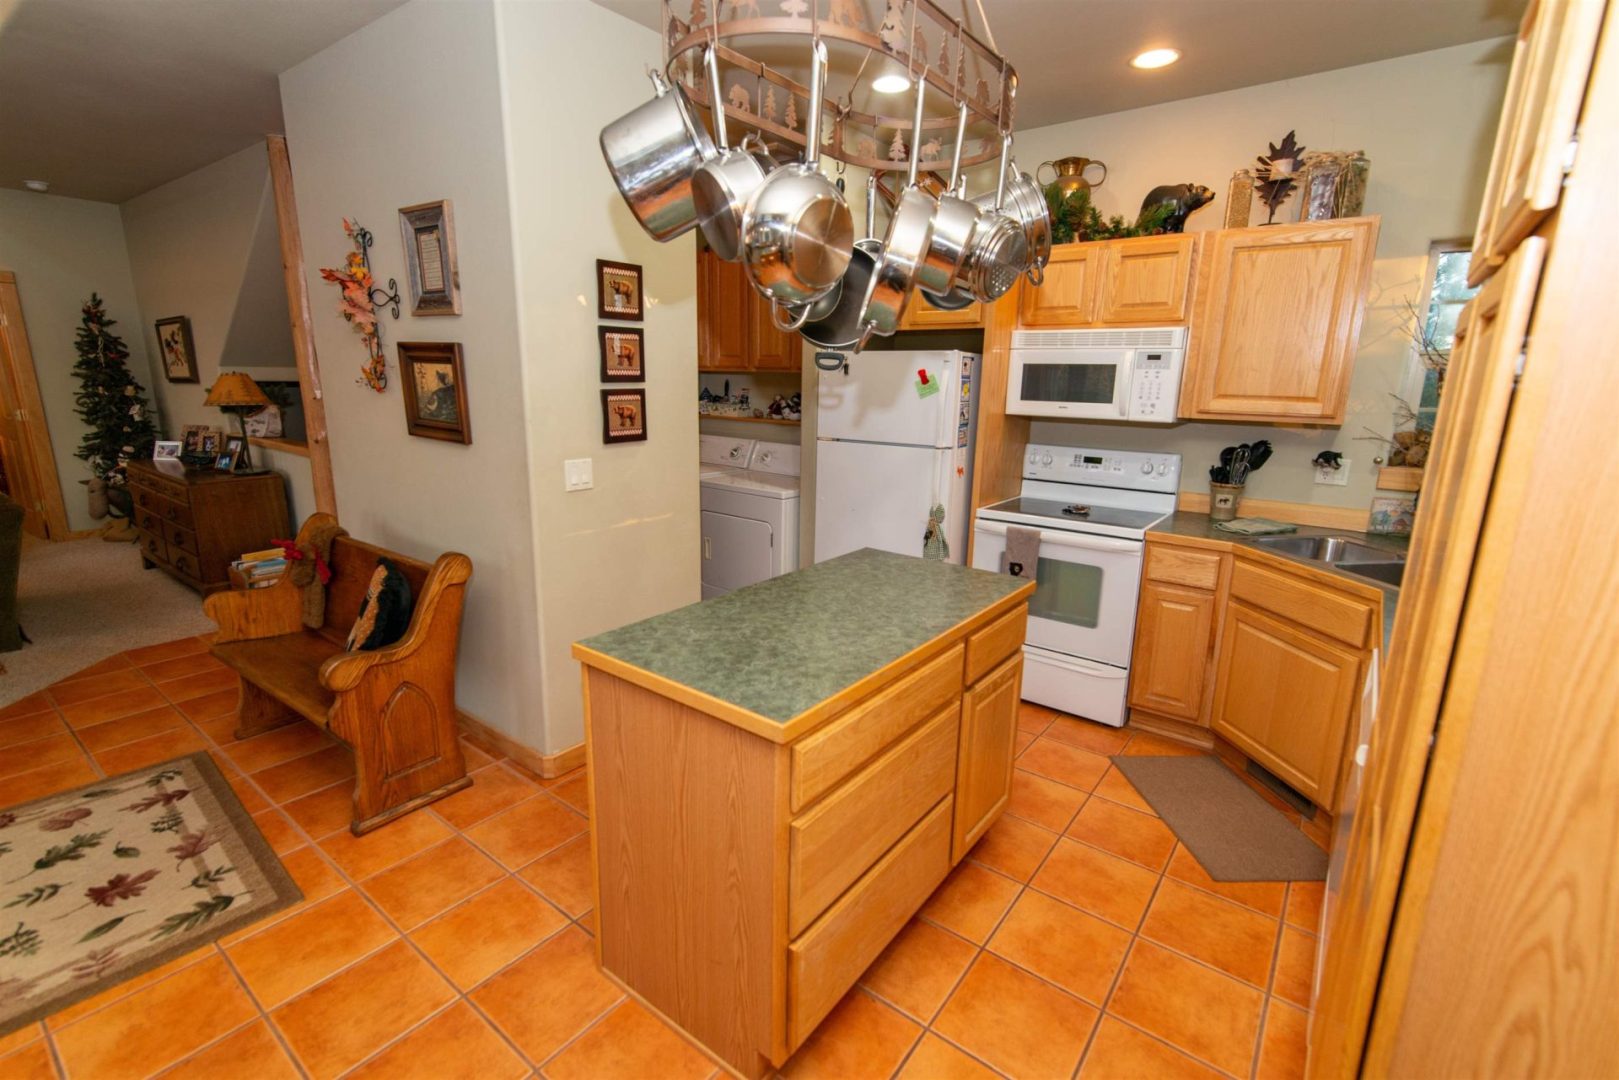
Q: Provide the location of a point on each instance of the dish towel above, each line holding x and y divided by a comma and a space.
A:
1255, 527
1022, 552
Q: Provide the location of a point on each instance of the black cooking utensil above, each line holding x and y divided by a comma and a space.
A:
1258, 454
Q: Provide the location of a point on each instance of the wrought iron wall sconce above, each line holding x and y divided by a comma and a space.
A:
378, 297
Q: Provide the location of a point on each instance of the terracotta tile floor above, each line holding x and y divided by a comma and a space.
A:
1080, 939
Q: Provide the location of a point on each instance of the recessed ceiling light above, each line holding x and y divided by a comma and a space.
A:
1155, 58
891, 84
37, 185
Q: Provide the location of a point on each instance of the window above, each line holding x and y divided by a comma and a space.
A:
1446, 295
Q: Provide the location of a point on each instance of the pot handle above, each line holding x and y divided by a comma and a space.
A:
916, 128
717, 100
871, 204
776, 307
660, 85
865, 336
961, 137
1037, 275
812, 125
1102, 181
1000, 180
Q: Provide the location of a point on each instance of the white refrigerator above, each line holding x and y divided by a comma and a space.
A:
890, 446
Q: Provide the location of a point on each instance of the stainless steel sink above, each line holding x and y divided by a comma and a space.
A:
1336, 550
1389, 573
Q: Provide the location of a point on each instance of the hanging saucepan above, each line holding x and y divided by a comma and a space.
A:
910, 231
1026, 204
653, 151
1000, 249
834, 320
722, 187
797, 233
953, 226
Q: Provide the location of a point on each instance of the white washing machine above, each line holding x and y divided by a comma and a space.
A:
750, 511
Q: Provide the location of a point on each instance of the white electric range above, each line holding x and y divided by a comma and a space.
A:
1092, 509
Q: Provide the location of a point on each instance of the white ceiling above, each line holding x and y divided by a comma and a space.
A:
107, 99
1072, 56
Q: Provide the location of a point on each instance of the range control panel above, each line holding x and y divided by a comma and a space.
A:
1133, 469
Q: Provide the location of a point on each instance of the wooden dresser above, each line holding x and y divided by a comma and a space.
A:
195, 524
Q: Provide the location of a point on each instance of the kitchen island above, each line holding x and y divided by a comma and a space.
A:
779, 778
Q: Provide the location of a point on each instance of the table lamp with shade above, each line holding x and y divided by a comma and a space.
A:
234, 392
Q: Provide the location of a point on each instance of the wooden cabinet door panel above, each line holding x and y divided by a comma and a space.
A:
1145, 280
921, 315
1284, 697
1277, 320
1067, 297
769, 347
1174, 633
984, 760
1556, 43
722, 315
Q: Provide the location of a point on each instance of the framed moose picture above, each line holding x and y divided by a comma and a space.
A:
623, 415
618, 291
623, 354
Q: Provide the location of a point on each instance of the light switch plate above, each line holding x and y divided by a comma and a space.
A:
578, 474
1338, 477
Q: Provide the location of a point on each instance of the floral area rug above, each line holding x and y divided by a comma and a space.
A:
106, 881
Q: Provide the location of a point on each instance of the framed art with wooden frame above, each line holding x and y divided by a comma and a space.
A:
174, 346
435, 390
624, 415
428, 232
623, 354
618, 291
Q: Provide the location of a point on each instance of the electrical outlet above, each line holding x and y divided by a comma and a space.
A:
577, 475
1338, 477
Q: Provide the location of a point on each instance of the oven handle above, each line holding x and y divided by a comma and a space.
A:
1127, 374
1071, 540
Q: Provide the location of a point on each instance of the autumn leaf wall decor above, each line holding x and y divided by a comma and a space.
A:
355, 282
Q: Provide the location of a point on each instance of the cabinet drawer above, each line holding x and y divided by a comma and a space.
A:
186, 564
1181, 566
826, 960
153, 547
161, 486
174, 513
180, 538
822, 759
1306, 603
995, 642
833, 844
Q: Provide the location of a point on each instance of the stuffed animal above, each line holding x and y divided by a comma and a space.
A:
308, 568
1182, 198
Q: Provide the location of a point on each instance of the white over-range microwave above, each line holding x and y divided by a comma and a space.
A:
1131, 375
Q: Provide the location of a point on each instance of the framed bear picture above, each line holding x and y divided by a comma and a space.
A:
618, 291
623, 415
623, 354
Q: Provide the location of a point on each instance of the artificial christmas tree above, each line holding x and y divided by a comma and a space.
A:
111, 403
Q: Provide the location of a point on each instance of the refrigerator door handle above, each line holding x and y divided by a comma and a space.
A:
1079, 541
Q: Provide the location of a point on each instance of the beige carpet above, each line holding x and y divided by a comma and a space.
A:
1232, 832
81, 601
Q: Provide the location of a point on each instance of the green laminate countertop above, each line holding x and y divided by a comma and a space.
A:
1201, 527
784, 646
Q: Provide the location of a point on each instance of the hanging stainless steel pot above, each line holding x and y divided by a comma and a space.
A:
1025, 203
722, 187
797, 234
1000, 249
953, 225
910, 231
834, 320
652, 152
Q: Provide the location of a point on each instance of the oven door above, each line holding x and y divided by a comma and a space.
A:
1084, 601
1078, 384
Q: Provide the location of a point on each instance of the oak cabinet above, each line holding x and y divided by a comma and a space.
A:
1174, 641
1067, 296
194, 524
734, 328
921, 315
1276, 320
1284, 697
1534, 148
989, 713
1146, 279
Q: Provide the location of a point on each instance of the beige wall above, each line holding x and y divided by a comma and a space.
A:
205, 246
62, 250
403, 111
628, 548
1426, 121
